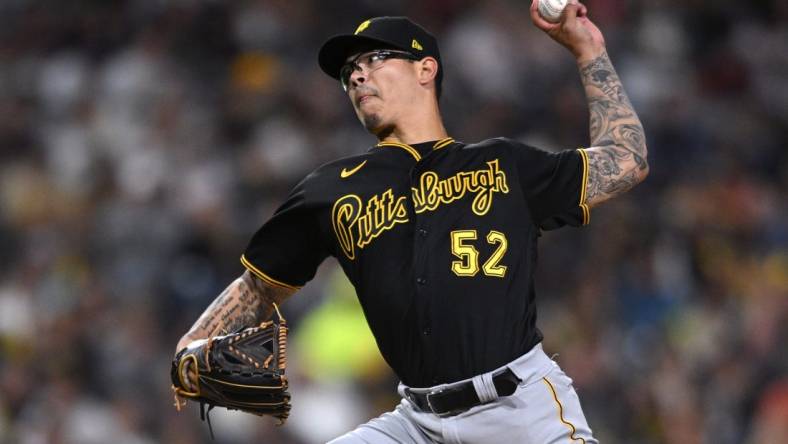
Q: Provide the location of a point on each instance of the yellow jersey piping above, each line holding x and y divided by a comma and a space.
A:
407, 148
442, 143
561, 413
439, 144
583, 188
267, 279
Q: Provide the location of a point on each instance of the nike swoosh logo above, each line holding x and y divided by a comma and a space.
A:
345, 173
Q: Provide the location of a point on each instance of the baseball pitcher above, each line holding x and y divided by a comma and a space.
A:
439, 238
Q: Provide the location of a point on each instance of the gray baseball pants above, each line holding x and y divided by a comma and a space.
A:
543, 410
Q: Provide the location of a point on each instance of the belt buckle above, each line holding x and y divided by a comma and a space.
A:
429, 402
432, 409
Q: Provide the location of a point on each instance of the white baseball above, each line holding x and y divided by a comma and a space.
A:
550, 10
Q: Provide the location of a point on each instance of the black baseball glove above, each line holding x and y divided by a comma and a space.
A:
240, 371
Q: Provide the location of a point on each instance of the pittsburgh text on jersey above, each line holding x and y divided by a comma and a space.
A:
356, 224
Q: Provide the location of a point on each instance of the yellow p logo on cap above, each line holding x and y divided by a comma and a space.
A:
362, 27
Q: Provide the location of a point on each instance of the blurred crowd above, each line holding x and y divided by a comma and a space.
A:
143, 141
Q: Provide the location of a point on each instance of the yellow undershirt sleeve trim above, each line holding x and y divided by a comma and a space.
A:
583, 186
571, 426
407, 148
267, 279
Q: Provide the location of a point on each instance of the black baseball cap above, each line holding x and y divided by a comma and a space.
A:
379, 33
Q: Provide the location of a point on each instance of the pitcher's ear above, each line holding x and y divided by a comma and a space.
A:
428, 69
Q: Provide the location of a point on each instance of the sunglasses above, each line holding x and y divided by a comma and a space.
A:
370, 61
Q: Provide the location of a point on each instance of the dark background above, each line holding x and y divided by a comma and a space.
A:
143, 142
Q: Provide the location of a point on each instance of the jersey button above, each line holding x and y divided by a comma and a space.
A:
423, 232
421, 281
427, 331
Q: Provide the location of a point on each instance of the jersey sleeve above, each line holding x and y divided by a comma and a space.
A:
287, 249
554, 184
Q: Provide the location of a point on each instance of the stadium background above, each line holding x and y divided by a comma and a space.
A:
142, 142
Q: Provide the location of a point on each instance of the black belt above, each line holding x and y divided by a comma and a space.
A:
457, 399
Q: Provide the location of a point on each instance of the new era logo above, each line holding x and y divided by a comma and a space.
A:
416, 45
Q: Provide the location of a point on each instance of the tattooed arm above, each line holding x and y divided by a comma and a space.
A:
245, 302
617, 157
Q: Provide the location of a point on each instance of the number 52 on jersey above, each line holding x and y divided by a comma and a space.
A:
462, 247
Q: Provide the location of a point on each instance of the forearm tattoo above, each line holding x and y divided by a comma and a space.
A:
617, 159
246, 302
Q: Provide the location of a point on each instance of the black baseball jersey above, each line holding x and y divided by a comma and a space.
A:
439, 240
